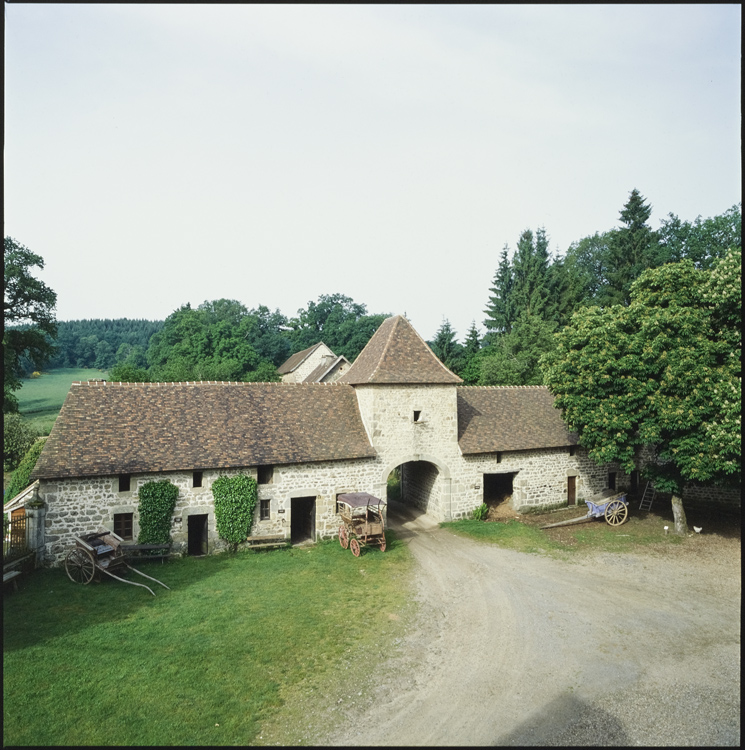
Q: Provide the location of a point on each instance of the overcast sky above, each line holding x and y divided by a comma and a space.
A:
159, 155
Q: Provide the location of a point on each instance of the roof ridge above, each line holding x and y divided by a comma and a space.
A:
385, 348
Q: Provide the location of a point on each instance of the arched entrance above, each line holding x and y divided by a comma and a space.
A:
421, 483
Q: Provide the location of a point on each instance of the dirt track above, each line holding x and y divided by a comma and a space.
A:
519, 649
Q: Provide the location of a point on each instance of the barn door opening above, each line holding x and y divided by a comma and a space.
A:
197, 541
498, 493
302, 519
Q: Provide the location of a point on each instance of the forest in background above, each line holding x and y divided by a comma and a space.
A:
533, 295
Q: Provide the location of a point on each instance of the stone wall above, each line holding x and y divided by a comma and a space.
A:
308, 365
82, 506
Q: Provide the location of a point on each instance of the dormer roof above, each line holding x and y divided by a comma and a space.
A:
397, 354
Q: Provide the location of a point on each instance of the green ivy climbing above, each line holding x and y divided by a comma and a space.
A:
157, 501
235, 499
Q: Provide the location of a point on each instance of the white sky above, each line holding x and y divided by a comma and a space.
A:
158, 155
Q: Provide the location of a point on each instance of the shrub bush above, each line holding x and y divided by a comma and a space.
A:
480, 513
235, 499
21, 475
157, 501
18, 437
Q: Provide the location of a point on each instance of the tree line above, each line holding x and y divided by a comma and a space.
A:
534, 295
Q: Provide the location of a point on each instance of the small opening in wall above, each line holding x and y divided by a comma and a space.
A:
611, 480
196, 480
123, 525
499, 458
264, 510
417, 415
124, 482
265, 474
572, 450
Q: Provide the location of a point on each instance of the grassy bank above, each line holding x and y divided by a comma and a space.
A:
40, 399
202, 664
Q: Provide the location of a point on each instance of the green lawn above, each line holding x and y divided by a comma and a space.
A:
205, 663
40, 399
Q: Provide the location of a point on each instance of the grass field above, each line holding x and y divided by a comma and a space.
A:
235, 640
642, 529
40, 399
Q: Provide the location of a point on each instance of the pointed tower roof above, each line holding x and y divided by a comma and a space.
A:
397, 354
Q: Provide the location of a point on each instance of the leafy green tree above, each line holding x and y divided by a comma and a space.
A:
663, 372
445, 346
587, 262
128, 373
631, 250
21, 476
701, 241
105, 357
30, 304
18, 437
209, 343
515, 358
341, 323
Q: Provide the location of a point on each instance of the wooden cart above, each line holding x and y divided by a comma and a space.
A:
97, 553
362, 521
607, 504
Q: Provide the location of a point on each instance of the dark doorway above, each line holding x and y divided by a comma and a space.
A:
497, 488
571, 490
197, 534
302, 520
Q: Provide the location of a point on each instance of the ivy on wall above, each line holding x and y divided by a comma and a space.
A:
157, 501
235, 499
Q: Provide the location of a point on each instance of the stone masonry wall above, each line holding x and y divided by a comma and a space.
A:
81, 506
306, 368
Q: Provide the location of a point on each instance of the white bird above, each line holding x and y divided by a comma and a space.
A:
698, 529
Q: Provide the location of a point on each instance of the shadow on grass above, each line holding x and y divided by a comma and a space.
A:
48, 604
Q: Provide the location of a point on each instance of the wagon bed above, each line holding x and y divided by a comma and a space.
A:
608, 504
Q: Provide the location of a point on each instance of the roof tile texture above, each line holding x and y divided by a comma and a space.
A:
505, 418
396, 353
113, 428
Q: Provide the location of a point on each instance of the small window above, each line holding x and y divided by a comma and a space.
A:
611, 480
123, 525
124, 483
196, 480
264, 510
265, 474
572, 450
417, 415
499, 458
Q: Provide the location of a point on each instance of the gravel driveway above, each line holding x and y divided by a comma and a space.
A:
521, 649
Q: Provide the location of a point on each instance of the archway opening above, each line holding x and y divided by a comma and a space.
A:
416, 486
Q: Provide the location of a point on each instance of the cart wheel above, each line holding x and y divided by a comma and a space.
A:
343, 537
354, 545
79, 566
382, 544
616, 512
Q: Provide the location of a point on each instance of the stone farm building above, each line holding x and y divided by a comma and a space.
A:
397, 405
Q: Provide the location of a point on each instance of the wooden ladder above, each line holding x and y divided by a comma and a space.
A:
648, 497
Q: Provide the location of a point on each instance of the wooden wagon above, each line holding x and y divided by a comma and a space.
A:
362, 521
98, 553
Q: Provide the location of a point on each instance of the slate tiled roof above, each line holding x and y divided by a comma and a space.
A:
115, 428
492, 419
397, 354
297, 359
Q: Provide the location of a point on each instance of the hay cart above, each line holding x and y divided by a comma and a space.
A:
98, 553
607, 504
362, 521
